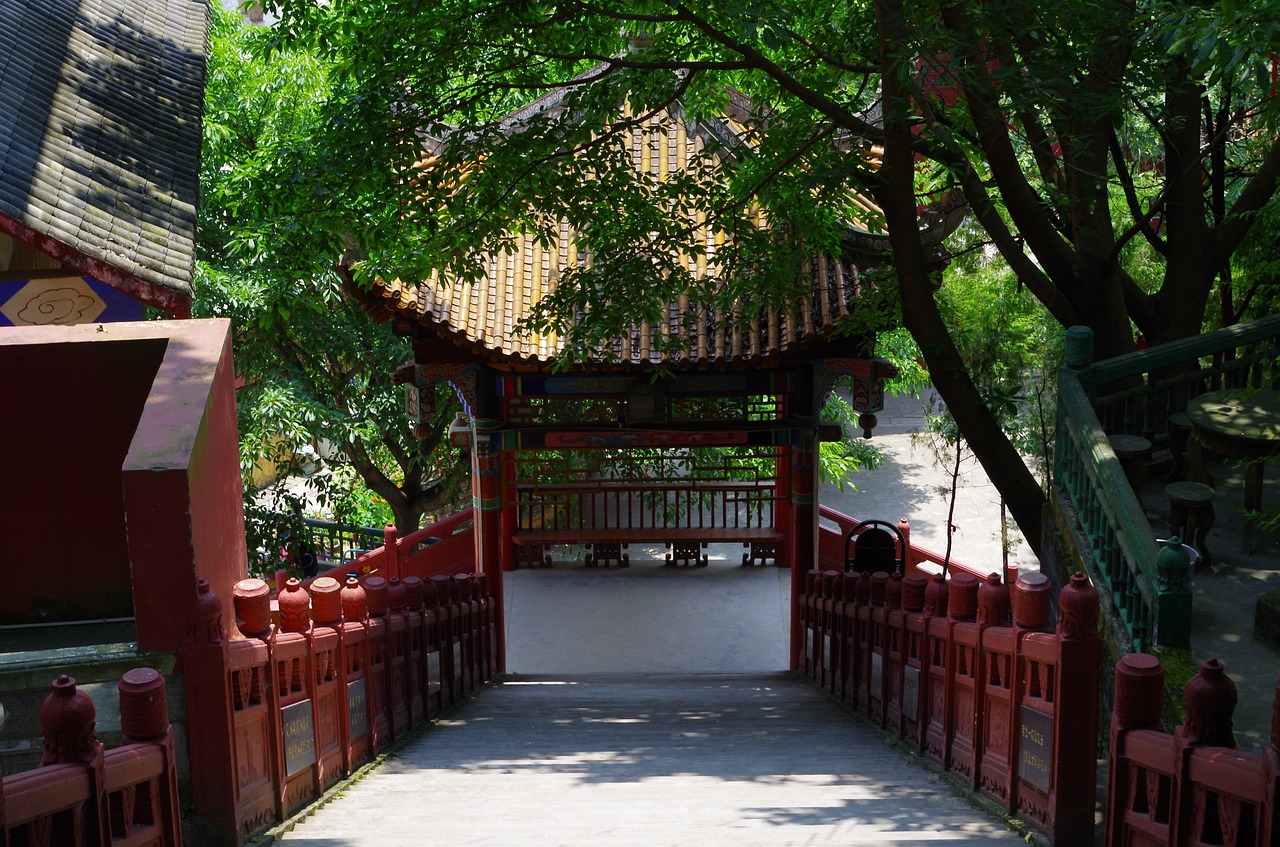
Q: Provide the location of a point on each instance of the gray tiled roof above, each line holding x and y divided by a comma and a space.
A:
100, 106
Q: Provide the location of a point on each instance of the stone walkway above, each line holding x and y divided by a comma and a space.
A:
735, 760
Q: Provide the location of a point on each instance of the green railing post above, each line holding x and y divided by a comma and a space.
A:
1173, 588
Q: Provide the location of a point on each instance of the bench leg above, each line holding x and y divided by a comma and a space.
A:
607, 553
535, 555
759, 552
687, 553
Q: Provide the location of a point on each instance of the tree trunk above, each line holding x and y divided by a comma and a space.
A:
997, 455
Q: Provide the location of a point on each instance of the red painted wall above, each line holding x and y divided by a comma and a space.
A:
122, 484
69, 413
182, 486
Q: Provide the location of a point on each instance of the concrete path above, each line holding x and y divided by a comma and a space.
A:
649, 760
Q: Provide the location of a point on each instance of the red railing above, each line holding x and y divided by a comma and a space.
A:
322, 683
446, 547
1190, 787
1002, 700
831, 547
85, 796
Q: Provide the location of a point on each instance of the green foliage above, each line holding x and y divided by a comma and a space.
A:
315, 368
838, 461
1073, 129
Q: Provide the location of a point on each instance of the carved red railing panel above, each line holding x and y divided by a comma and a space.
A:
1037, 702
84, 796
310, 703
964, 709
357, 742
295, 714
995, 775
330, 708
1189, 787
254, 730
977, 690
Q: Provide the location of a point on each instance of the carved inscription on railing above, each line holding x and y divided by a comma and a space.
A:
299, 737
911, 693
1034, 745
357, 709
877, 675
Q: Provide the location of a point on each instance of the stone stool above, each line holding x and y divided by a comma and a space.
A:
1179, 433
1191, 515
1133, 451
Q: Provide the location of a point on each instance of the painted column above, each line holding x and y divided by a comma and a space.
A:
802, 540
487, 460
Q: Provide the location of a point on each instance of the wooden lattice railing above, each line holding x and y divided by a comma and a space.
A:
1135, 394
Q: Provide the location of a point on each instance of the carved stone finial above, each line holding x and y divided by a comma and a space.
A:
1139, 693
326, 601
252, 599
1211, 699
1032, 600
914, 585
993, 602
1078, 604
354, 602
962, 596
144, 710
375, 595
68, 718
206, 617
935, 596
295, 607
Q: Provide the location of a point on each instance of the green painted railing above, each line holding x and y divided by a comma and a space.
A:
1135, 394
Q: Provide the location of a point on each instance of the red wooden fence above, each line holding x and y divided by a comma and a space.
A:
322, 684
1190, 787
994, 695
82, 795
831, 547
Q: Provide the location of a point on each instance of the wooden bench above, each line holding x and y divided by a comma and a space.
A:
685, 544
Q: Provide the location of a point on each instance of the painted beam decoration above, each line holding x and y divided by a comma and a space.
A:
63, 301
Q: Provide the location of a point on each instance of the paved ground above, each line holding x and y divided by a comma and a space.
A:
714, 760
648, 705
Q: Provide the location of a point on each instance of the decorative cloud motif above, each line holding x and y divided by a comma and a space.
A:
53, 302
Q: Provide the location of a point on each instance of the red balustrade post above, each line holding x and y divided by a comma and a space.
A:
355, 675
909, 560
210, 736
877, 641
144, 719
1075, 730
391, 559
998, 682
463, 589
895, 644
826, 626
379, 671
433, 661
849, 655
964, 677
863, 640
807, 604
915, 679
1270, 833
838, 639
417, 638
297, 757
324, 639
1137, 704
67, 718
936, 729
1210, 698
